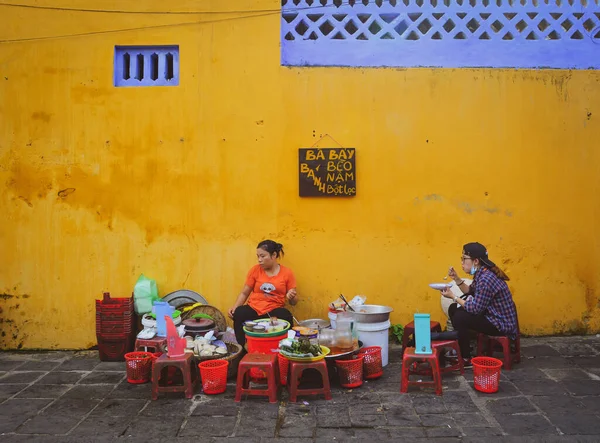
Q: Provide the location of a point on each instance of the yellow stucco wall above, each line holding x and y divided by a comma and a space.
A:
180, 183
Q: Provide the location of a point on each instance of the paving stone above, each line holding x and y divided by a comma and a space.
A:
168, 407
97, 377
586, 362
323, 435
368, 420
9, 365
442, 432
61, 378
43, 391
358, 397
298, 426
48, 424
74, 407
142, 426
470, 419
523, 373
111, 366
578, 424
406, 433
372, 409
20, 406
260, 407
539, 351
228, 410
559, 404
399, 409
323, 410
88, 391
131, 390
102, 426
510, 405
549, 362
591, 403
8, 390
39, 365
119, 407
525, 424
395, 398
481, 432
9, 423
540, 387
381, 434
568, 374
341, 420
429, 405
458, 402
403, 420
284, 440
582, 387
79, 364
436, 420
574, 349
240, 439
214, 427
21, 377
249, 426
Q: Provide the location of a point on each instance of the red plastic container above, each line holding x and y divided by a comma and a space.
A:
372, 365
114, 350
263, 345
139, 366
214, 376
350, 372
284, 367
486, 373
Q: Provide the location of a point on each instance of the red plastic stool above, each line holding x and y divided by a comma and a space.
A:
409, 330
409, 358
266, 363
189, 370
459, 365
296, 370
158, 344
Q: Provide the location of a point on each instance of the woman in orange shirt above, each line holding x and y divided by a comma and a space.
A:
269, 285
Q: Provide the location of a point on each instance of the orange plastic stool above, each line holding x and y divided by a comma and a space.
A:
186, 364
266, 363
158, 344
409, 330
296, 370
409, 358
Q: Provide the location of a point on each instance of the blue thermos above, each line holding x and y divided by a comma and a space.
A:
422, 334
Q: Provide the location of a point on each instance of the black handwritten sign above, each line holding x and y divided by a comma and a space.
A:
327, 172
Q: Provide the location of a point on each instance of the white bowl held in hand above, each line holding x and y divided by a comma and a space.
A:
440, 286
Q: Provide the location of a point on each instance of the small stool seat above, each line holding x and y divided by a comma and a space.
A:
158, 344
296, 370
409, 330
442, 344
186, 364
511, 354
266, 363
411, 357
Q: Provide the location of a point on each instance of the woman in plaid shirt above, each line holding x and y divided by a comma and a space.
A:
491, 308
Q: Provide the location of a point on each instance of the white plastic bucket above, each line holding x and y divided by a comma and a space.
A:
375, 334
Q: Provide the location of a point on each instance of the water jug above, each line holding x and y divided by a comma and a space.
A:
162, 308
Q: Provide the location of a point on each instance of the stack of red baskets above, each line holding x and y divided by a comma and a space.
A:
114, 327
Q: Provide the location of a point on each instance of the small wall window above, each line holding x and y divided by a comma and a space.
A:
146, 65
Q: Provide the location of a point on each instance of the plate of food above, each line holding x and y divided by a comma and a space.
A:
266, 327
315, 354
440, 286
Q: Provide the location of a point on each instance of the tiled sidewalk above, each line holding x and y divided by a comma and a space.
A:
553, 395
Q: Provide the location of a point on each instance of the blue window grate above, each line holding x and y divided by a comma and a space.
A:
442, 33
146, 66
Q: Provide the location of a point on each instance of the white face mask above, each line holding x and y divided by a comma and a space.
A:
473, 270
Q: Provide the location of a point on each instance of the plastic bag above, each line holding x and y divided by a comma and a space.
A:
145, 292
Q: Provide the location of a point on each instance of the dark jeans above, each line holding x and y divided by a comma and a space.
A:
246, 313
464, 322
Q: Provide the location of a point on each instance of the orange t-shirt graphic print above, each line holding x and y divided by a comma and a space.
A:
268, 293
